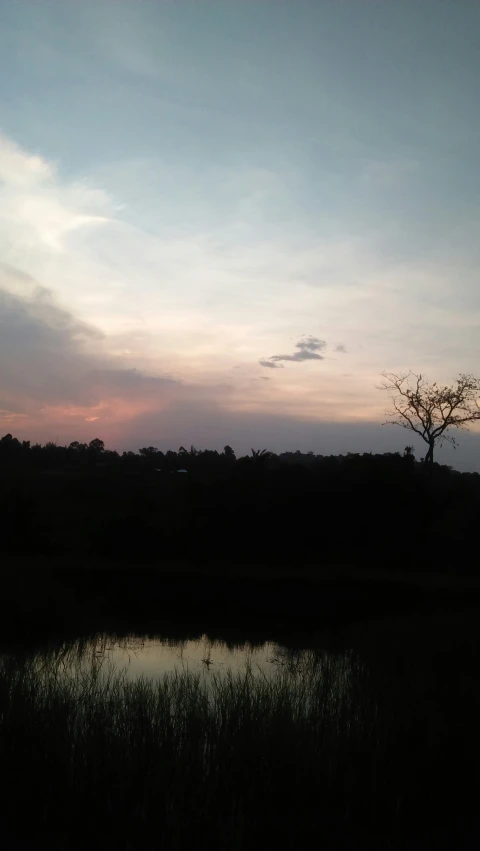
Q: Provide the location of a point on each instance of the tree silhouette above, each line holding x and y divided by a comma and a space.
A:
148, 451
97, 445
96, 450
191, 453
277, 501
430, 410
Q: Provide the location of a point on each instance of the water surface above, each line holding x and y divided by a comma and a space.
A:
154, 658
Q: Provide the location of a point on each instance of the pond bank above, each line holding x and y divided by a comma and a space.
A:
43, 599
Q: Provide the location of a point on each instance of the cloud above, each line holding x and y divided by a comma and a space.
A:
129, 380
20, 168
270, 363
52, 361
194, 272
183, 255
308, 348
59, 374
37, 212
341, 348
58, 378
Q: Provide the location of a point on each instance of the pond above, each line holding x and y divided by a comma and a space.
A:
206, 737
133, 657
154, 657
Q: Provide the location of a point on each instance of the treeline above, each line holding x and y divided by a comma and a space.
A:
51, 456
84, 500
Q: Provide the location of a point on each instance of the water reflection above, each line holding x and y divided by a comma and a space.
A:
153, 659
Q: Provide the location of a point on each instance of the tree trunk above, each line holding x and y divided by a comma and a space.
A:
429, 455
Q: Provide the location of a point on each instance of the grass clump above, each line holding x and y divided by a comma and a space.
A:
309, 758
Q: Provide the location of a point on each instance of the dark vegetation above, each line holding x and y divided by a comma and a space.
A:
90, 538
85, 501
371, 749
375, 749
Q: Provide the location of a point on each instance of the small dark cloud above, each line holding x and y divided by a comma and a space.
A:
269, 363
341, 348
310, 344
308, 348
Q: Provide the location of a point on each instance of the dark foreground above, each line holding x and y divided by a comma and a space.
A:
374, 744
48, 599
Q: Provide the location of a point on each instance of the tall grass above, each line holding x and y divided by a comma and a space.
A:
307, 759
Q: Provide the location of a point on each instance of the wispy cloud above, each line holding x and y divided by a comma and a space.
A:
20, 168
37, 211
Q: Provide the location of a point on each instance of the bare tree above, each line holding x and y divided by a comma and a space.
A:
431, 410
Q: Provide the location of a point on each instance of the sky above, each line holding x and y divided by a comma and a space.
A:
221, 221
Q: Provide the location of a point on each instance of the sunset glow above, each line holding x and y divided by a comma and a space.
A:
210, 258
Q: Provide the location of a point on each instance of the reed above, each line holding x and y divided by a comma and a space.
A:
308, 758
